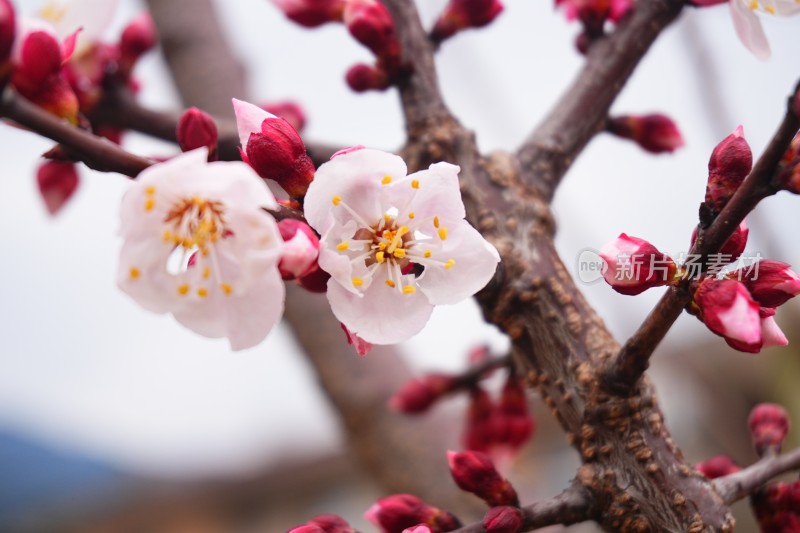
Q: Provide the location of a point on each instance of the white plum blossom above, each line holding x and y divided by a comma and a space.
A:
394, 245
748, 26
198, 244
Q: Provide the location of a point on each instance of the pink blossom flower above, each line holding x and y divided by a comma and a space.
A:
300, 249
634, 265
91, 17
748, 26
394, 245
197, 243
771, 283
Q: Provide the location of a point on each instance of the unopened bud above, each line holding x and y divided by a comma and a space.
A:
727, 309
634, 265
361, 346
138, 38
479, 431
718, 466
655, 133
300, 249
515, 421
734, 246
331, 523
315, 281
399, 512
594, 13
307, 529
363, 77
57, 181
729, 165
771, 283
312, 13
777, 507
503, 519
418, 394
291, 112
474, 472
197, 129
371, 24
769, 425
8, 28
273, 148
422, 528
462, 14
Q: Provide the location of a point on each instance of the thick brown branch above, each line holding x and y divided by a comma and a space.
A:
628, 366
572, 506
95, 152
421, 98
741, 484
549, 151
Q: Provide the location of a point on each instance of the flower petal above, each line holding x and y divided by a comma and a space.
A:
143, 275
252, 315
368, 318
356, 178
437, 193
249, 118
749, 29
475, 262
771, 333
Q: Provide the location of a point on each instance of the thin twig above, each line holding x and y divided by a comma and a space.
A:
741, 484
624, 371
95, 152
572, 506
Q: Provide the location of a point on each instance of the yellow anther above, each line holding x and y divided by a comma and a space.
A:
337, 200
443, 233
427, 253
342, 246
754, 5
183, 290
357, 282
387, 218
386, 180
391, 283
400, 253
770, 10
168, 236
227, 289
415, 184
149, 204
411, 215
435, 222
450, 263
52, 12
402, 231
382, 245
206, 272
135, 273
409, 289
379, 257
196, 200
202, 292
150, 190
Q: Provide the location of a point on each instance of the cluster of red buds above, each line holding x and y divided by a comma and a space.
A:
402, 512
593, 15
788, 174
369, 22
460, 15
655, 133
737, 304
500, 427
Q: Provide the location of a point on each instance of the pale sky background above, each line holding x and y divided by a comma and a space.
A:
80, 363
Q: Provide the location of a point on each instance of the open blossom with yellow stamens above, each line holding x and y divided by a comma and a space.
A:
748, 26
198, 244
394, 245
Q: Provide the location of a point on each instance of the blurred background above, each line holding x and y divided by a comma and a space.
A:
115, 419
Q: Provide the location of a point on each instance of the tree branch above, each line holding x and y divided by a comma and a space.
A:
624, 371
741, 484
95, 152
572, 506
550, 150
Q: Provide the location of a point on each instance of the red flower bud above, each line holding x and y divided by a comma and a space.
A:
396, 513
273, 148
503, 519
655, 133
734, 246
300, 249
138, 38
418, 394
362, 347
312, 13
462, 14
422, 528
769, 425
289, 111
516, 425
474, 472
362, 77
8, 29
776, 507
306, 529
372, 25
634, 265
771, 283
479, 428
331, 523
594, 13
316, 280
718, 466
729, 165
57, 182
196, 129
